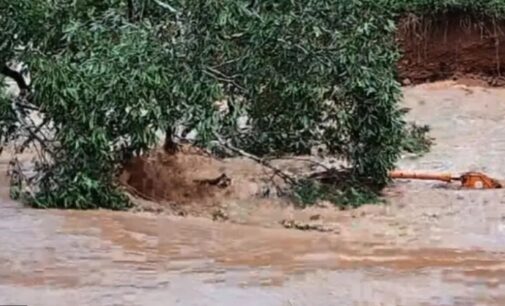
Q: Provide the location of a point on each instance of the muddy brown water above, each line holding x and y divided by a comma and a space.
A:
430, 245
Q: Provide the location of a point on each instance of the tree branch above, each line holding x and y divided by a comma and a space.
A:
16, 76
286, 177
306, 160
166, 6
33, 135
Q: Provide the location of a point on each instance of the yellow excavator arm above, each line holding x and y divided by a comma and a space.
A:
472, 180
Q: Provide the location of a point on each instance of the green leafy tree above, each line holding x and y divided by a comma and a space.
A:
107, 75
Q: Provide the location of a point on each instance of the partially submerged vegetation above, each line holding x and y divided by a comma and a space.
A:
108, 75
417, 139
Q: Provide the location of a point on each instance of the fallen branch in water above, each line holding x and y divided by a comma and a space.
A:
301, 159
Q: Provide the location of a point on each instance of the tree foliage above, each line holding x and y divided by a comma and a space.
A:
108, 74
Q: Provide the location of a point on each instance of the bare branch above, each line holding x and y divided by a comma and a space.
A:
306, 160
218, 75
166, 6
33, 134
288, 178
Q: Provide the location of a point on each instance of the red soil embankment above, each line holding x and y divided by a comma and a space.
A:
451, 45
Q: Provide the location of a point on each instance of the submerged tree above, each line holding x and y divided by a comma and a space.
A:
108, 74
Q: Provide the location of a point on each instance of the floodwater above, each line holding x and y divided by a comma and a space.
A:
430, 245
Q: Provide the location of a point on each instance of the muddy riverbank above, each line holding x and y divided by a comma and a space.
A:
451, 45
429, 245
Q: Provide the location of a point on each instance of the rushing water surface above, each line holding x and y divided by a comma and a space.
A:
429, 246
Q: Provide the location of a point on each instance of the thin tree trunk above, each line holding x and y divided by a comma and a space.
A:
170, 147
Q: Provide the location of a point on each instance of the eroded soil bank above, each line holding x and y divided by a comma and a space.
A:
430, 245
450, 46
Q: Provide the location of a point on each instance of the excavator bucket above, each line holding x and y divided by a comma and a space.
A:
477, 180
